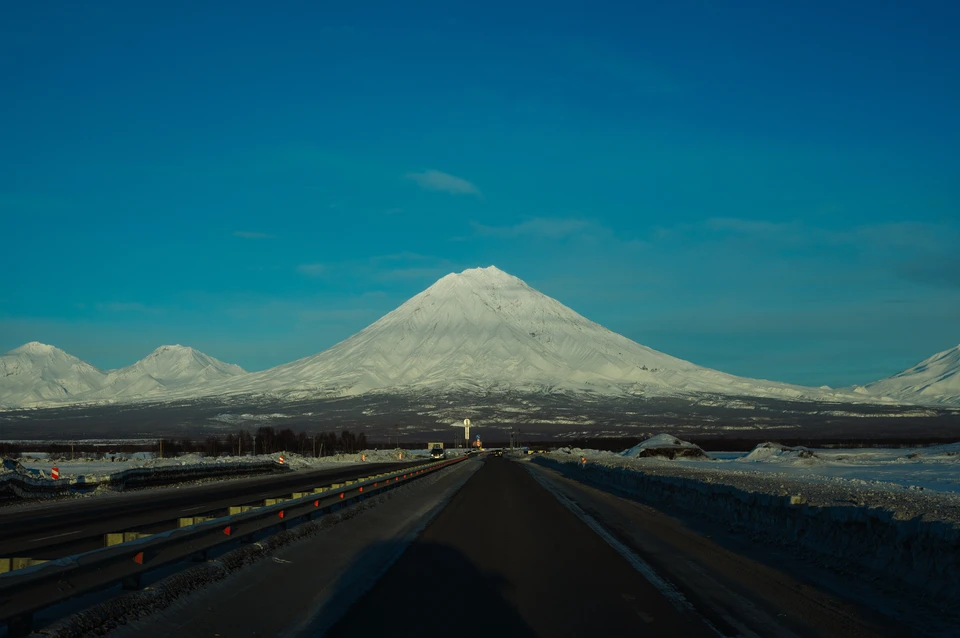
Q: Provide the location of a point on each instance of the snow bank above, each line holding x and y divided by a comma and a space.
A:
775, 452
910, 537
667, 446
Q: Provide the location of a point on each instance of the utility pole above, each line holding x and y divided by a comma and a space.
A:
161, 448
254, 444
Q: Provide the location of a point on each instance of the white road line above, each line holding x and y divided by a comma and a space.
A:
46, 538
190, 509
664, 586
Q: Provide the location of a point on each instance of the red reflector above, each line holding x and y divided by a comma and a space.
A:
226, 530
361, 489
280, 514
341, 494
316, 503
138, 559
374, 484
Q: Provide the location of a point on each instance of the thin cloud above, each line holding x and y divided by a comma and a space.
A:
404, 256
126, 306
412, 273
544, 227
252, 235
312, 270
444, 182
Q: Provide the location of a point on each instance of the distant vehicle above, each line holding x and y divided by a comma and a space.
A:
438, 453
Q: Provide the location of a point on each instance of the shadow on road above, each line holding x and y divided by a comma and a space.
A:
434, 591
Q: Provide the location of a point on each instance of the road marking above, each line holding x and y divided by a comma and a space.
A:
665, 587
46, 538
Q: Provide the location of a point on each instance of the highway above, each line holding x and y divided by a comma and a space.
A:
497, 547
505, 558
66, 526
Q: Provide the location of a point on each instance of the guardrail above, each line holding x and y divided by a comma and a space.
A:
26, 486
26, 591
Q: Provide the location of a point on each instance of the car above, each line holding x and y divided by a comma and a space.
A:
438, 453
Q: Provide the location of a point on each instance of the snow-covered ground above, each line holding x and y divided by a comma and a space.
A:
931, 468
94, 470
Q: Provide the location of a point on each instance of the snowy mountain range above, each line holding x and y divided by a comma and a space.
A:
933, 381
481, 330
36, 374
485, 330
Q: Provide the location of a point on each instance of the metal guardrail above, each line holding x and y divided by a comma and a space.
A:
26, 591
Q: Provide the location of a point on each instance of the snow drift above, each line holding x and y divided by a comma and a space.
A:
775, 452
667, 446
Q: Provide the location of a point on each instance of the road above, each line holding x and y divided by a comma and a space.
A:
495, 547
505, 558
78, 524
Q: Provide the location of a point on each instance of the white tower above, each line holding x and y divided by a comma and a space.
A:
466, 431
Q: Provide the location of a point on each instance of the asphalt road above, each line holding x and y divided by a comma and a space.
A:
505, 558
72, 525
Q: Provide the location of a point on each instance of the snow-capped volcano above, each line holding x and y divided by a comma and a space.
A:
167, 368
38, 373
481, 330
933, 380
484, 329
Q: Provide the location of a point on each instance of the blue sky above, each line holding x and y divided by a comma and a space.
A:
771, 189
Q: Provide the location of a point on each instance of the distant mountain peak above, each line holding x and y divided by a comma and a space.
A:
487, 330
936, 379
176, 349
35, 347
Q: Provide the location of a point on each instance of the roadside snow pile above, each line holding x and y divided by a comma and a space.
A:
584, 453
775, 452
666, 446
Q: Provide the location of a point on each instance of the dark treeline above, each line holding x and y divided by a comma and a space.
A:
269, 440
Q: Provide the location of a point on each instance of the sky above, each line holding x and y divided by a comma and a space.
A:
770, 189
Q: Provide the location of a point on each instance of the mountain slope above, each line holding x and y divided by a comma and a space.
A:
935, 381
37, 373
166, 368
483, 329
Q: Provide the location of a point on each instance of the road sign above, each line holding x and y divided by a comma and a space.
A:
282, 460
55, 472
